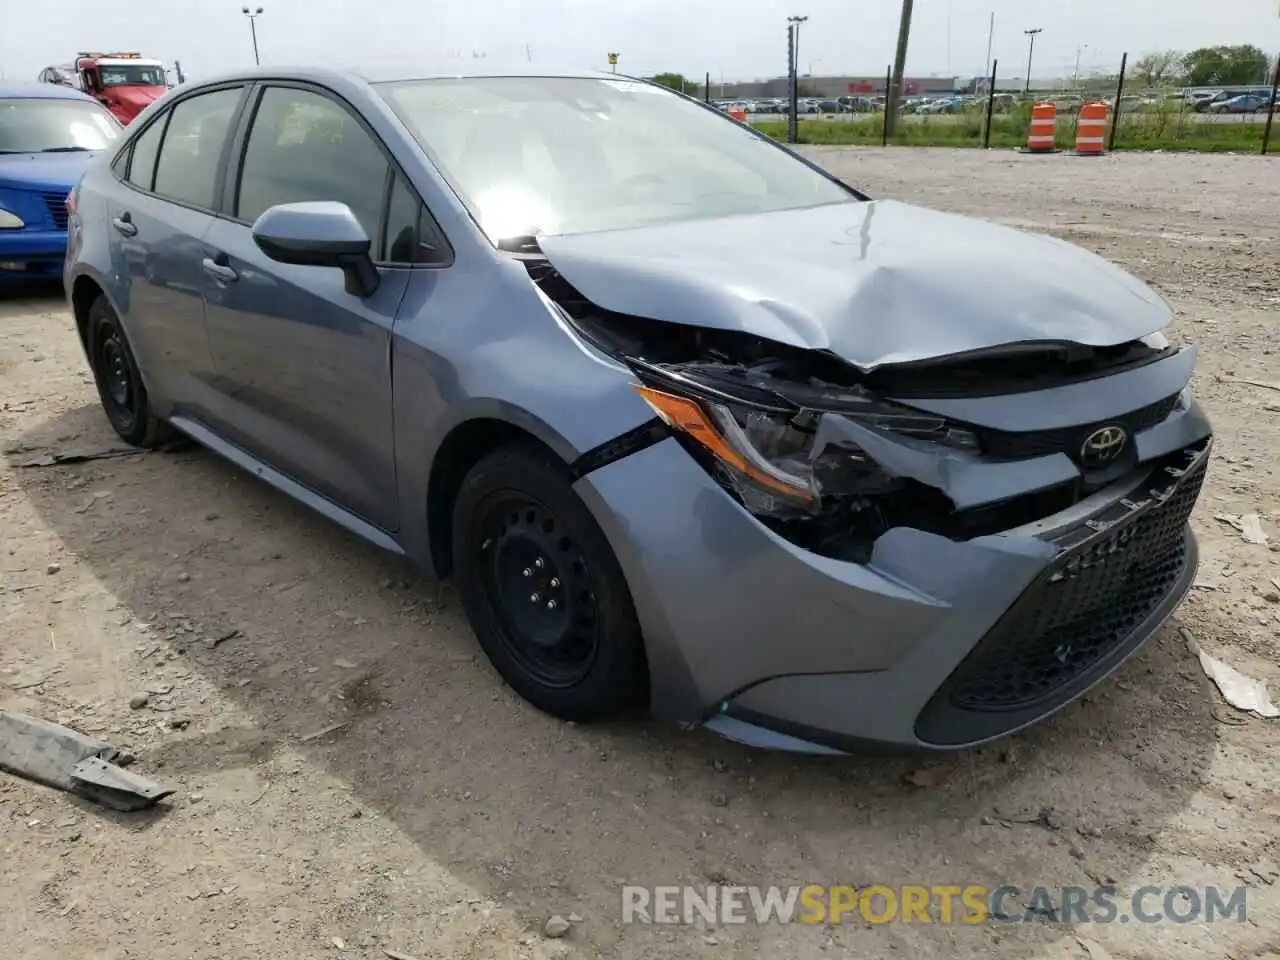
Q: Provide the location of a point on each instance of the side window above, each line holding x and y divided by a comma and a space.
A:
411, 235
188, 165
304, 146
142, 163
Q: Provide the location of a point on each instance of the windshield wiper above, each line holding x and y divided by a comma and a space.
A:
66, 150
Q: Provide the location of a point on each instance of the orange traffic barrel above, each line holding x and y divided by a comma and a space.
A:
1091, 129
739, 115
1043, 134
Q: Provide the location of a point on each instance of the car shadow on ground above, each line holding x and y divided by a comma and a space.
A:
322, 629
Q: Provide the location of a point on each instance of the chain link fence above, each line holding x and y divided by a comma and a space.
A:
1146, 118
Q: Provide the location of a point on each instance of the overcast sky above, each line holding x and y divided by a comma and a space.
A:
736, 39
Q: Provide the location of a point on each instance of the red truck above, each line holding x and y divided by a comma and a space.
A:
124, 83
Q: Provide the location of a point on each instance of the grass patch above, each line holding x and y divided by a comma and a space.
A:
1145, 131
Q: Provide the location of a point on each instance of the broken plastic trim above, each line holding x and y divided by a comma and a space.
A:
624, 445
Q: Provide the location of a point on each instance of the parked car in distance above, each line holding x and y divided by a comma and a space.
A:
850, 471
1244, 103
942, 105
48, 136
857, 104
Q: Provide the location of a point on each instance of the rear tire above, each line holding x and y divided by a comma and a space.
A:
120, 388
542, 589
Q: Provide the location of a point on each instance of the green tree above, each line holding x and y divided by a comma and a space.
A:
1212, 66
676, 81
1157, 69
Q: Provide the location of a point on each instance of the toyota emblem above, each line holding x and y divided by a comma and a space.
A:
1102, 446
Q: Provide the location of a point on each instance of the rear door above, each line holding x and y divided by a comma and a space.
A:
171, 184
303, 367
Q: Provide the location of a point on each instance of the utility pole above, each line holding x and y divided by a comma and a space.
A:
1030, 52
795, 43
1075, 79
253, 16
792, 130
899, 66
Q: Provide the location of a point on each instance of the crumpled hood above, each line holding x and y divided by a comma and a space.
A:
877, 282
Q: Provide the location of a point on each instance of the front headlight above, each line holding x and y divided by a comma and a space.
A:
10, 221
767, 455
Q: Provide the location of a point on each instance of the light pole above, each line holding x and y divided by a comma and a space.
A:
795, 50
1075, 80
991, 32
1030, 52
253, 15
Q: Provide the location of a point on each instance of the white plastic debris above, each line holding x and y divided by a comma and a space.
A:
1249, 525
1243, 693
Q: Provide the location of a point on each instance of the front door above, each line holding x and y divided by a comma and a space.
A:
303, 368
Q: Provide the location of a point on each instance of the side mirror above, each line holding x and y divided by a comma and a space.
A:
319, 234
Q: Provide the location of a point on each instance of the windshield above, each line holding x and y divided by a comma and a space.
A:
48, 126
117, 76
531, 155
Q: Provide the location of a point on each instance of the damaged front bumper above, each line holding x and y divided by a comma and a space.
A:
934, 642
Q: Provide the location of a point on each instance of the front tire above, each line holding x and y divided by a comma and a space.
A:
542, 589
120, 388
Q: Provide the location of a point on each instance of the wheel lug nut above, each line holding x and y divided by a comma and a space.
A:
527, 572
551, 604
535, 597
555, 581
539, 563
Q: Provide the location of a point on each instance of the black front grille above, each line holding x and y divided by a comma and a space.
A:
1082, 611
1009, 445
57, 204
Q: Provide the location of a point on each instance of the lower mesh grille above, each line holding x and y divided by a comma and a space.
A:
1080, 611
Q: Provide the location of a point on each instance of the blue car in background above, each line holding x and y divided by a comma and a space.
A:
1244, 103
48, 137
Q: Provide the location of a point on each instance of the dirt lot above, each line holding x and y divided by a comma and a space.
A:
447, 819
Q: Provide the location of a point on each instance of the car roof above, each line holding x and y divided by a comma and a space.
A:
413, 70
40, 91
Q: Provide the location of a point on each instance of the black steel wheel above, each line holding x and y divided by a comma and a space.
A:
120, 388
543, 590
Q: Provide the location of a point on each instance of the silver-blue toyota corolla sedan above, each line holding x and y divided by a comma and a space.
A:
692, 423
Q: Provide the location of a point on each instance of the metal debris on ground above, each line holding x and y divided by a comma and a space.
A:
110, 453
58, 459
65, 759
1243, 693
1249, 383
323, 732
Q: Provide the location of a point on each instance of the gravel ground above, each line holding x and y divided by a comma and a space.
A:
445, 818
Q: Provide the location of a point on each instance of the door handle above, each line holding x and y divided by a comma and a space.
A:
124, 224
219, 271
